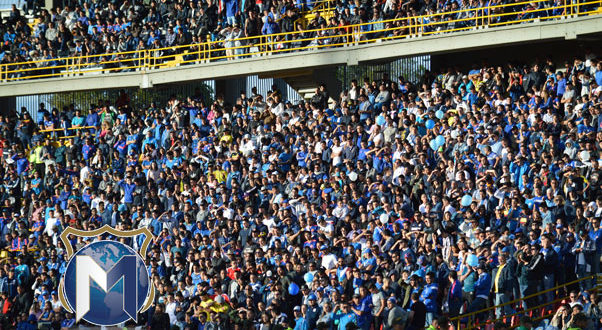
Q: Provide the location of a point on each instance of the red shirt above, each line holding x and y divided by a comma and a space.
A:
231, 271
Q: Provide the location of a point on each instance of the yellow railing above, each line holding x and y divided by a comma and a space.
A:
50, 130
318, 5
321, 6
545, 310
70, 129
266, 45
324, 8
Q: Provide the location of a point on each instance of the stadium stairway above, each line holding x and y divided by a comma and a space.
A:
543, 312
323, 7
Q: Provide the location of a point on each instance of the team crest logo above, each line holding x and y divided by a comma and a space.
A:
106, 282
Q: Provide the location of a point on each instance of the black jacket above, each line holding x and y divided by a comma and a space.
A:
535, 268
505, 281
160, 321
550, 261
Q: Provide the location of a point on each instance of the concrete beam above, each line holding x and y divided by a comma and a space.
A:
265, 65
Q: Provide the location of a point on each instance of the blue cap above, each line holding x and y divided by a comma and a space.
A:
312, 297
419, 273
506, 249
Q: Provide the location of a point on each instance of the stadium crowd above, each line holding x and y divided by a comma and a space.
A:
399, 206
104, 30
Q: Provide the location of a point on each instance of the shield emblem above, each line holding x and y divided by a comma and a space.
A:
66, 302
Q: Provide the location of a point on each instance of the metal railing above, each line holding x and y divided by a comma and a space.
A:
64, 131
469, 320
280, 43
316, 6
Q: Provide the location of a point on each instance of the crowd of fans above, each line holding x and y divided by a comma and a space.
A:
103, 28
401, 205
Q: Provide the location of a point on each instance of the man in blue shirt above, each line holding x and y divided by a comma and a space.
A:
150, 140
361, 307
88, 150
313, 311
128, 190
22, 271
92, 118
231, 11
429, 297
561, 84
595, 233
343, 316
300, 321
482, 288
68, 322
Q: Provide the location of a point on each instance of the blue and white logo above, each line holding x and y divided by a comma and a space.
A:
106, 282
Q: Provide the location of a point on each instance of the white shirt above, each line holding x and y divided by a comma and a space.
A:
353, 92
84, 174
329, 261
336, 155
50, 224
55, 304
278, 109
340, 211
94, 203
169, 222
170, 309
247, 148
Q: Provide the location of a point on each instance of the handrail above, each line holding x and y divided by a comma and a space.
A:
355, 34
420, 17
62, 129
471, 315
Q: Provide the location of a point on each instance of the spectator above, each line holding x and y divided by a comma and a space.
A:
429, 206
